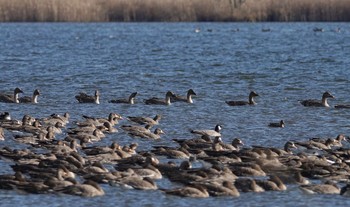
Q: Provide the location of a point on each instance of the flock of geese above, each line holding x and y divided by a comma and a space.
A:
61, 157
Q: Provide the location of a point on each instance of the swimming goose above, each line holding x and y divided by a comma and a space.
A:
327, 187
171, 153
130, 100
9, 98
250, 101
279, 124
95, 150
87, 189
158, 101
234, 146
95, 136
136, 182
109, 128
28, 99
226, 188
194, 191
317, 103
54, 118
293, 178
112, 118
136, 128
5, 116
145, 120
187, 99
84, 98
246, 169
209, 133
313, 144
146, 134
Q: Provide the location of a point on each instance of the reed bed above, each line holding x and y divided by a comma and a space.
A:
172, 10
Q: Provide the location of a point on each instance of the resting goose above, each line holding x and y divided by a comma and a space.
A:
84, 98
145, 120
158, 101
87, 189
135, 182
9, 98
250, 101
187, 99
130, 100
317, 103
28, 99
112, 119
155, 135
326, 188
194, 191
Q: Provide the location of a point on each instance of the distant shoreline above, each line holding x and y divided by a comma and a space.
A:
175, 11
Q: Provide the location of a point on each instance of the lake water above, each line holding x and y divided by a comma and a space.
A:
289, 63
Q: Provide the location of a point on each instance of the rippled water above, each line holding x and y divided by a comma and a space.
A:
287, 64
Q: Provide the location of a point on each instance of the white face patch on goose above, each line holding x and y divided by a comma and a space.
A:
218, 128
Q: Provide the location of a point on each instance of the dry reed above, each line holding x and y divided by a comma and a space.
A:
173, 10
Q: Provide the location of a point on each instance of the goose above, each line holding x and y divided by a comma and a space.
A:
250, 101
136, 182
194, 191
313, 144
247, 185
226, 188
317, 103
145, 120
158, 101
28, 99
84, 98
136, 128
9, 98
273, 183
96, 168
95, 136
155, 135
187, 99
54, 118
130, 100
171, 153
293, 178
87, 189
96, 150
234, 146
109, 128
112, 118
5, 116
209, 133
279, 124
246, 169
327, 187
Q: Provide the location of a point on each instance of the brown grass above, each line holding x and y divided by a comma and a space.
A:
173, 10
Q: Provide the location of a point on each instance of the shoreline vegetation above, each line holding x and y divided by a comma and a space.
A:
174, 10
